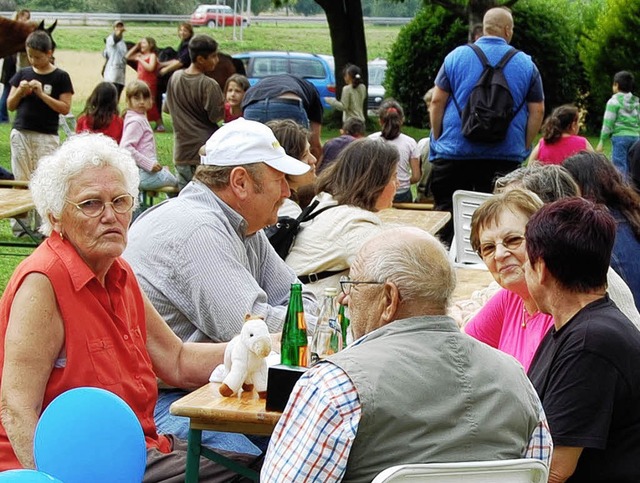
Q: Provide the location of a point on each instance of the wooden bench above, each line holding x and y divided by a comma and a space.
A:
151, 197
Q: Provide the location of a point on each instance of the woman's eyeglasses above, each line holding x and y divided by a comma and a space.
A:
511, 242
93, 208
346, 283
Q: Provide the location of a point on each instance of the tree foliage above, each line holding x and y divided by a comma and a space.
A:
610, 46
544, 30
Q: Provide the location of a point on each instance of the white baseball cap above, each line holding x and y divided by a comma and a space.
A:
248, 142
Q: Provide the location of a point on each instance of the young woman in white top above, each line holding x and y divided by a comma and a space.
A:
391, 121
361, 182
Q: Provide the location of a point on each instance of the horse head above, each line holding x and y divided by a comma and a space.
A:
13, 35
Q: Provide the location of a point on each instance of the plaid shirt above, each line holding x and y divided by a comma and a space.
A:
313, 438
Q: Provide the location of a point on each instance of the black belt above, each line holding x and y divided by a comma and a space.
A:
314, 277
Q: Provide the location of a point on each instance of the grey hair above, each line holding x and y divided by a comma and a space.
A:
418, 265
551, 182
51, 180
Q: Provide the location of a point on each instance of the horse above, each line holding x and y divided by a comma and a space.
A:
13, 35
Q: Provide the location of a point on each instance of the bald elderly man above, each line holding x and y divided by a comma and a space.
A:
457, 162
411, 388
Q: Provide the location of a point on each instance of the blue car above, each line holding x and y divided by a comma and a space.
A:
316, 68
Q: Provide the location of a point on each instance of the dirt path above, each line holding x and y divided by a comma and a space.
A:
84, 69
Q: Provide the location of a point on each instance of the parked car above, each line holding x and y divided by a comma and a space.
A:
375, 89
316, 68
215, 15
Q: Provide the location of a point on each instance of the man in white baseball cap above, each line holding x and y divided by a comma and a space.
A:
203, 259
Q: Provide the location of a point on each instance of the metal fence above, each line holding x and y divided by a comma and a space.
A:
67, 18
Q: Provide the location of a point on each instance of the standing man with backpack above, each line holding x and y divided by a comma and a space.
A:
484, 118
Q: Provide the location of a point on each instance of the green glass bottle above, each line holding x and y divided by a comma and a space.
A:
345, 325
294, 333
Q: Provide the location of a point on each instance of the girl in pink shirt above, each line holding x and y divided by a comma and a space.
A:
559, 137
137, 138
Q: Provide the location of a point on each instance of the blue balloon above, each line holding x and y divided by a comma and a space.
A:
26, 476
90, 435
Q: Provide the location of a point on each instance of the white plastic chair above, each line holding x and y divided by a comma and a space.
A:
464, 204
502, 471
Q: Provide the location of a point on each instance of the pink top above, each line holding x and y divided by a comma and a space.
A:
137, 138
557, 152
499, 324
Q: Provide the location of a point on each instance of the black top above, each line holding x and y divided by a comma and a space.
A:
587, 375
33, 114
276, 85
183, 53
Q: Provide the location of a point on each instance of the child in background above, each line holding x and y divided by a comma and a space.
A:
234, 90
100, 114
352, 129
621, 121
137, 138
424, 185
39, 93
559, 137
144, 52
391, 121
353, 94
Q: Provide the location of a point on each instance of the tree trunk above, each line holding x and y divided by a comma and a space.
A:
348, 43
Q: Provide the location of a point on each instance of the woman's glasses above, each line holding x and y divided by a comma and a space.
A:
93, 208
510, 242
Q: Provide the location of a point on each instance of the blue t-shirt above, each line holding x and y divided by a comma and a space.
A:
458, 75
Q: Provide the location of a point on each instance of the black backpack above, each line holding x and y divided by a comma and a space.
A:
489, 109
283, 233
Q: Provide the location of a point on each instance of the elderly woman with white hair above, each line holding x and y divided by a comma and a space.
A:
73, 314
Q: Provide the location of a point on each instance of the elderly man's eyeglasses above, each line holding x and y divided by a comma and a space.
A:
94, 207
511, 242
346, 283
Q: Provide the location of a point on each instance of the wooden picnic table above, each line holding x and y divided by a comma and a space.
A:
430, 221
14, 202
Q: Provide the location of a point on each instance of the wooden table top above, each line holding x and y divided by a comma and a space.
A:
14, 202
430, 221
470, 280
208, 409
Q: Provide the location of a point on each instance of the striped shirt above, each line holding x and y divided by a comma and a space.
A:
621, 116
315, 434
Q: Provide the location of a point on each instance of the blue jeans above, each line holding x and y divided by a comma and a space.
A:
403, 197
179, 427
277, 108
159, 179
620, 152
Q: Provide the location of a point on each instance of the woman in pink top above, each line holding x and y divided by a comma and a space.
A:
510, 321
559, 137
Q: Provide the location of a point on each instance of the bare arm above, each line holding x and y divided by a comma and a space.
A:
16, 94
151, 64
536, 115
133, 52
533, 157
170, 66
416, 172
563, 463
185, 365
436, 111
34, 339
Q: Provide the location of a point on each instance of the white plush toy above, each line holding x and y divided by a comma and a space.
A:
244, 359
